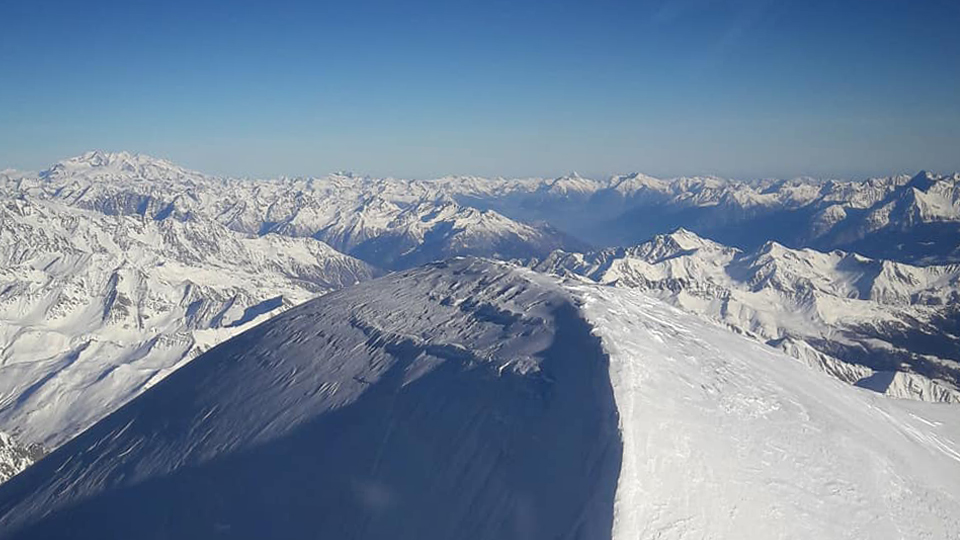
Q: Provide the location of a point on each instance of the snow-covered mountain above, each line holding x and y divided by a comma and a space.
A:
116, 268
95, 307
389, 223
472, 399
889, 326
901, 218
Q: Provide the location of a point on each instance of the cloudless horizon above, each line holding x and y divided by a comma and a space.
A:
736, 88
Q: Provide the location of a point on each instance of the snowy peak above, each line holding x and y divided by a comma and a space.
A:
923, 181
681, 255
633, 183
676, 243
111, 166
570, 184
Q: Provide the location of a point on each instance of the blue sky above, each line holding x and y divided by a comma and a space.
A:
742, 88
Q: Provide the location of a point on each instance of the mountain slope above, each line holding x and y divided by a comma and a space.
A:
887, 325
473, 400
726, 438
439, 403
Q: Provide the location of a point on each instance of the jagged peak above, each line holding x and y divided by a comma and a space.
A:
571, 182
922, 181
636, 175
685, 239
634, 181
678, 242
351, 175
772, 246
681, 232
774, 252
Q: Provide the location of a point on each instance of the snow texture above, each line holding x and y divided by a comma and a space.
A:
726, 438
440, 403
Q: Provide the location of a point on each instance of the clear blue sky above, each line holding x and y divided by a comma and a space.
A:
741, 88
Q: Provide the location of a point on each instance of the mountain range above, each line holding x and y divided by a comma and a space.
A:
889, 326
902, 218
168, 335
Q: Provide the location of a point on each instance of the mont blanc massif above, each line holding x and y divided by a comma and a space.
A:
190, 356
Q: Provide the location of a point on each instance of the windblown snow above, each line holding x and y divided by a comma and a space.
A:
726, 438
473, 399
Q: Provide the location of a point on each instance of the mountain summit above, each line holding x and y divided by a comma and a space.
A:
99, 165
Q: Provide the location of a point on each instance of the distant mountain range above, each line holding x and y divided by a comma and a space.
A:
901, 218
388, 223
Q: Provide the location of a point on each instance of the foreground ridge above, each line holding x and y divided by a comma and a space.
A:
473, 399
444, 405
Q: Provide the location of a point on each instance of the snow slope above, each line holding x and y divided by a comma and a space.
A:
726, 438
440, 403
471, 399
891, 326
